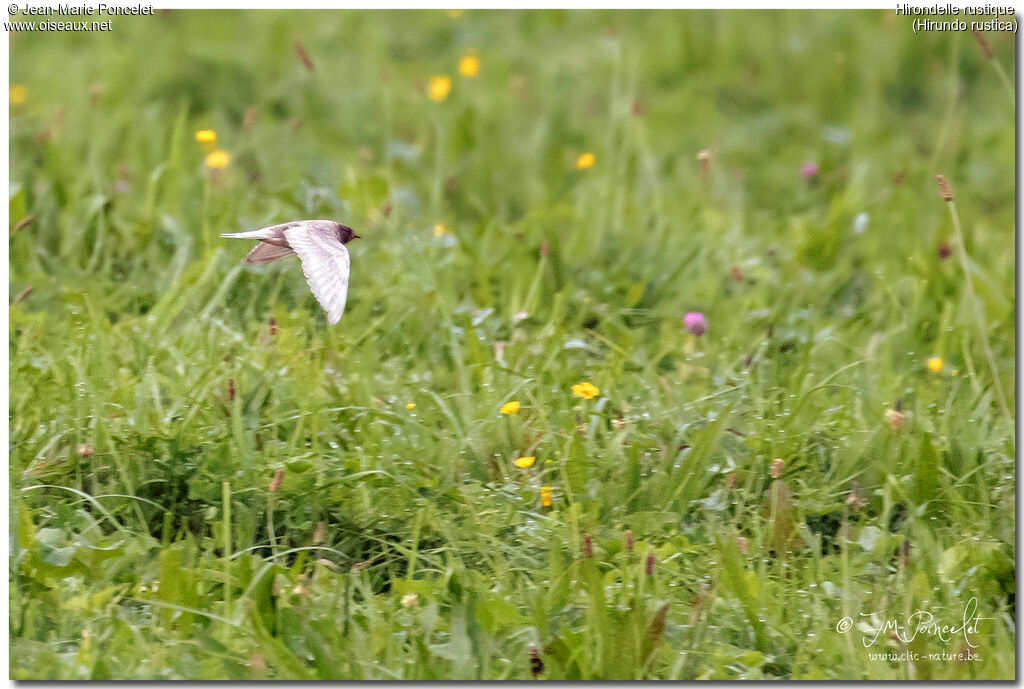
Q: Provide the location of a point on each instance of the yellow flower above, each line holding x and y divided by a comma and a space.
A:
17, 94
439, 87
510, 408
440, 230
934, 364
469, 65
208, 139
218, 160
410, 405
525, 462
545, 496
410, 600
587, 391
454, 14
585, 160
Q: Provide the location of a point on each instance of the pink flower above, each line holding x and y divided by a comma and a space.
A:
809, 169
695, 322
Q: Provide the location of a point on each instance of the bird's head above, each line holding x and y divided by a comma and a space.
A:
345, 234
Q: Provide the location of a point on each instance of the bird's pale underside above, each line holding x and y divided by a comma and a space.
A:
320, 245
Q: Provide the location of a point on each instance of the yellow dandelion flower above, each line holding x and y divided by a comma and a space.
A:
17, 94
585, 160
510, 408
207, 138
440, 230
934, 364
525, 462
439, 87
587, 391
218, 160
410, 405
469, 65
545, 496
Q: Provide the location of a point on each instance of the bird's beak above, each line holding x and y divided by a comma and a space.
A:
355, 236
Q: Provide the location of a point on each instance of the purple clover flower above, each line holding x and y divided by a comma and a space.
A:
695, 322
809, 169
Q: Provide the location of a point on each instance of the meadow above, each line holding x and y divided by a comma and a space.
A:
515, 456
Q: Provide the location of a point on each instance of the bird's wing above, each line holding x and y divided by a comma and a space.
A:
325, 263
273, 232
265, 253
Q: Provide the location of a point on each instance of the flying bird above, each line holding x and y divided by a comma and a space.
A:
320, 245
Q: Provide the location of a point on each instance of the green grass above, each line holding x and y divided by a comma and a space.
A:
160, 550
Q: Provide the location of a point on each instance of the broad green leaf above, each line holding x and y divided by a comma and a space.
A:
54, 547
495, 614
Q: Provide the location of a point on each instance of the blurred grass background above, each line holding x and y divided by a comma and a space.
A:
152, 403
